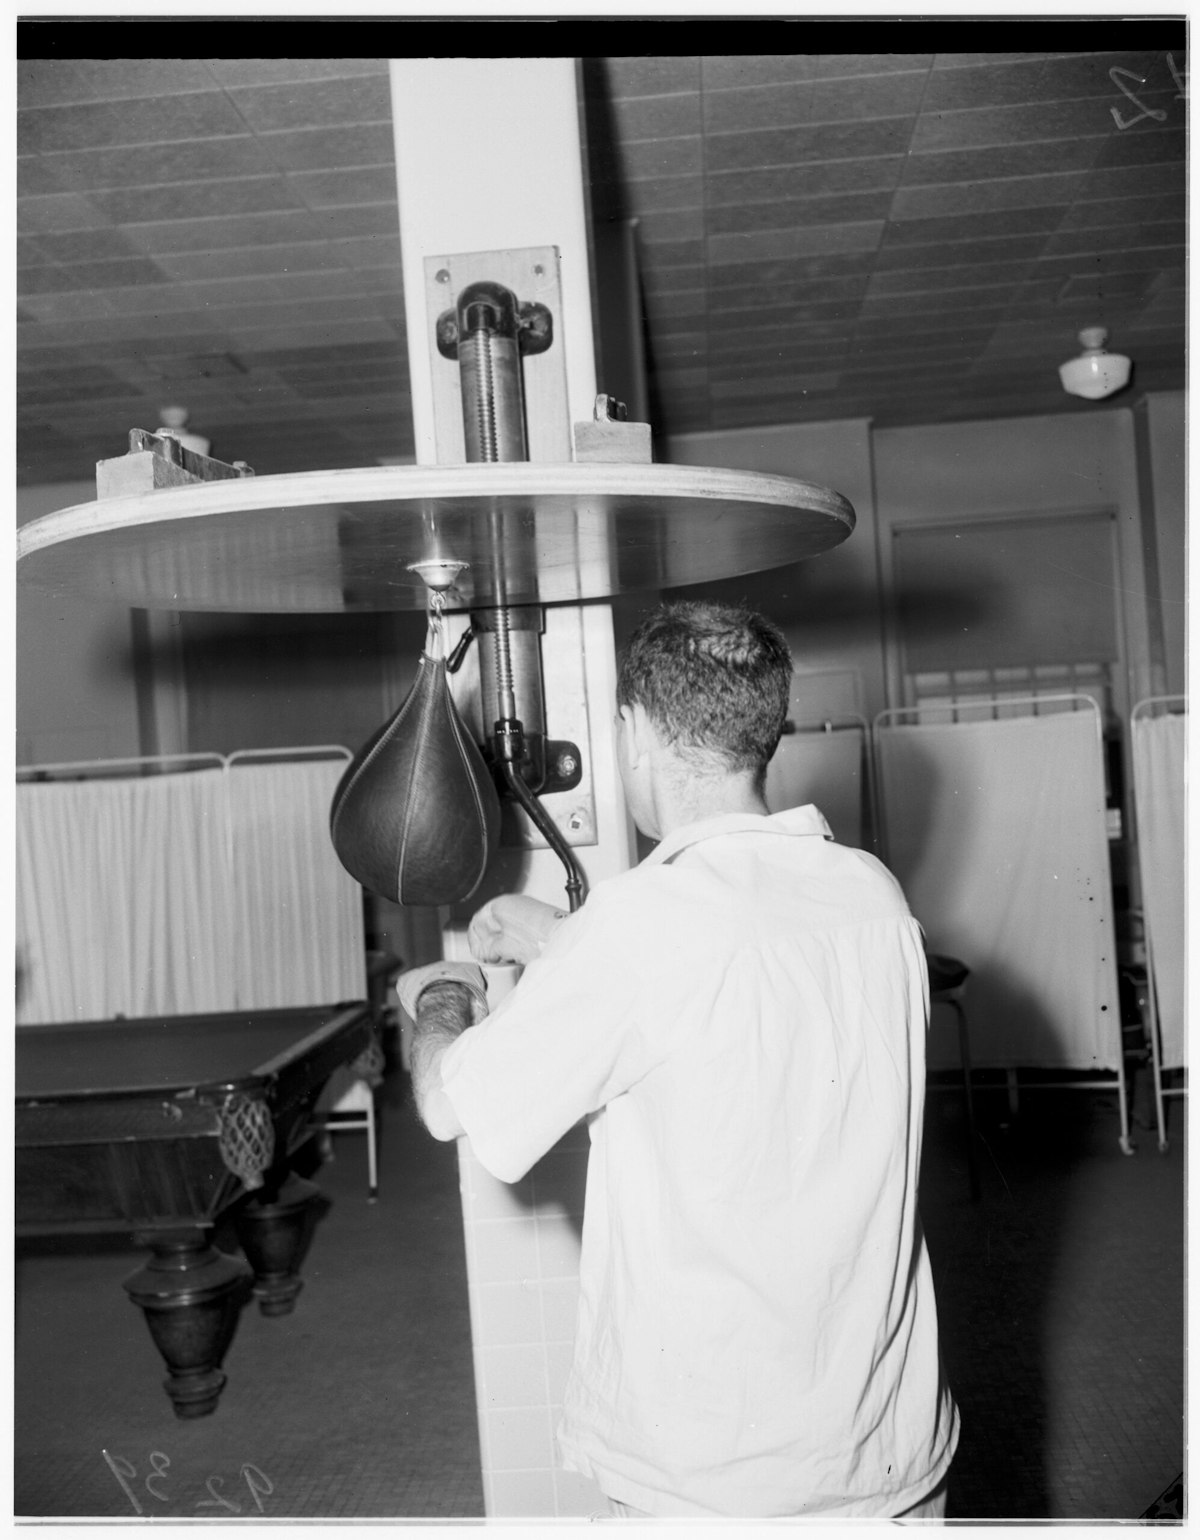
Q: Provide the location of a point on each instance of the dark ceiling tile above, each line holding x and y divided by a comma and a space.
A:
384, 284
1144, 146
36, 176
1011, 125
62, 82
54, 213
682, 345
1099, 263
768, 245
845, 281
767, 330
846, 66
657, 117
388, 371
948, 228
652, 75
1117, 238
222, 294
941, 279
175, 299
820, 302
81, 382
300, 288
683, 377
818, 179
965, 253
213, 235
673, 226
257, 72
86, 305
197, 200
660, 194
675, 268
87, 246
835, 209
932, 303
369, 251
742, 70
197, 115
978, 320
287, 227
331, 149
1136, 181
874, 96
188, 161
311, 256
986, 197
760, 107
1029, 80
1037, 294
1104, 287
1000, 161
273, 336
814, 142
769, 387
674, 303
663, 158
322, 389
89, 276
1115, 211
817, 353
317, 103
339, 189
344, 355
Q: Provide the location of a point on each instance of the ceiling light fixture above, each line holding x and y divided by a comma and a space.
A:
1095, 373
173, 421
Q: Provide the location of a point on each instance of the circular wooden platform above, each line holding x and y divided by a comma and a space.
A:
343, 539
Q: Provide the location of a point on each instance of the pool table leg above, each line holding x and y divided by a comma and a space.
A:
273, 1228
191, 1295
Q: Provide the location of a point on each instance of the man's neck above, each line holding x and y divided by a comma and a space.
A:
694, 799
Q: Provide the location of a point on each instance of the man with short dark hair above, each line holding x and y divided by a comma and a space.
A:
741, 1018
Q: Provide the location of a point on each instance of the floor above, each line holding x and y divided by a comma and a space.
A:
1061, 1296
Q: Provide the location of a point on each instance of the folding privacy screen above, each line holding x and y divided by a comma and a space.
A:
996, 829
209, 884
1159, 740
828, 765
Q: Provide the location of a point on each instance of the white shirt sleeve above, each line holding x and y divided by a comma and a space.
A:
574, 1033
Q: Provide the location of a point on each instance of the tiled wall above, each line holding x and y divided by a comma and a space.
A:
522, 1242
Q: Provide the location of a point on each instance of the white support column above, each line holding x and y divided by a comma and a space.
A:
489, 159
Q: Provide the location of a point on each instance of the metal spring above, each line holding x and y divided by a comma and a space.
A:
485, 395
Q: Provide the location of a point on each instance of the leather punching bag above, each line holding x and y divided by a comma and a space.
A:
416, 816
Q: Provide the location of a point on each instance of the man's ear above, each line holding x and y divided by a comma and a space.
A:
640, 730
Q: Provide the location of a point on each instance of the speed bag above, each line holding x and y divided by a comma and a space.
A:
416, 816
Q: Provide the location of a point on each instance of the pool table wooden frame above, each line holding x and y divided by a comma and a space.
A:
157, 1126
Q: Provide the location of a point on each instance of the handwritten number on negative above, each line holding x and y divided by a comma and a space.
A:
216, 1500
124, 1472
160, 1462
260, 1486
1119, 76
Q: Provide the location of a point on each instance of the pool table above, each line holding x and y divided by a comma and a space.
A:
157, 1126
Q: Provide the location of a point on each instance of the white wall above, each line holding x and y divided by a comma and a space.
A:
1164, 446
75, 693
827, 606
1075, 463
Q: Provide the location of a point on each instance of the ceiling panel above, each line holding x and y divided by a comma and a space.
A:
911, 237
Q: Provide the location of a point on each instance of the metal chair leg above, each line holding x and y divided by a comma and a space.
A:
964, 1049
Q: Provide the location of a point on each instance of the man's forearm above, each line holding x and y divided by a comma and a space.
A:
443, 1014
